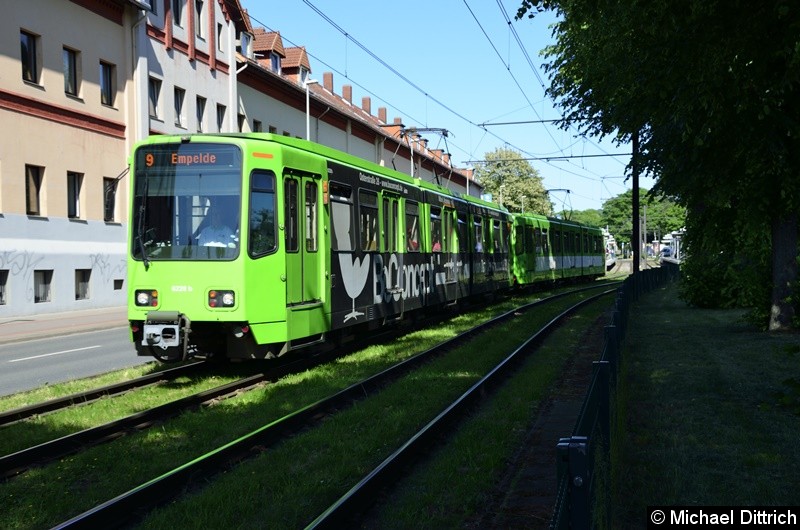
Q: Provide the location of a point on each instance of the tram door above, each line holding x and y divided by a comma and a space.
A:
392, 240
301, 237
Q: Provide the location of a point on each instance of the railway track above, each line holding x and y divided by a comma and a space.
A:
348, 508
135, 502
82, 398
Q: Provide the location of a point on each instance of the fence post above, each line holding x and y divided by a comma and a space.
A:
573, 459
605, 375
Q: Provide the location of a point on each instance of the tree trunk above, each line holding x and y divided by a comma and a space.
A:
784, 271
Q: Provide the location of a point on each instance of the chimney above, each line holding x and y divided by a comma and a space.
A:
382, 114
437, 154
366, 104
347, 93
446, 159
327, 81
396, 127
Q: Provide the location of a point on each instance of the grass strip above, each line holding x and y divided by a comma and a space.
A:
705, 411
43, 497
288, 486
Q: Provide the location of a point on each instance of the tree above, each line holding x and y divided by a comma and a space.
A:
663, 216
512, 181
711, 90
587, 217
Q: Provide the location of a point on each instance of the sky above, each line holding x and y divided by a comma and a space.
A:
466, 66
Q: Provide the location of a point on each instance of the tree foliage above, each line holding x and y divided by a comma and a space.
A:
512, 181
662, 216
711, 90
587, 217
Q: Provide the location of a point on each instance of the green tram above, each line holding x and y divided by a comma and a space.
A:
251, 245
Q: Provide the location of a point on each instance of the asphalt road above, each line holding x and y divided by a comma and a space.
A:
34, 363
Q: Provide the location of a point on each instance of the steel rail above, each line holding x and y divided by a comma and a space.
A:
363, 495
135, 503
13, 415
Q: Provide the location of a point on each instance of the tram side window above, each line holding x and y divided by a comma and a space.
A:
436, 229
342, 232
519, 239
311, 216
262, 213
477, 226
290, 214
368, 219
412, 226
545, 242
529, 244
496, 238
463, 233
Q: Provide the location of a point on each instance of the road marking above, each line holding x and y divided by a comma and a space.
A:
54, 353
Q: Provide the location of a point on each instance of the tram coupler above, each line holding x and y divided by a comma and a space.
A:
166, 330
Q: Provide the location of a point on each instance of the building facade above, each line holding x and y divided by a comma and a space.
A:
81, 84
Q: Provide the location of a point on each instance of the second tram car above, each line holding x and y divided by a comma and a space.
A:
251, 245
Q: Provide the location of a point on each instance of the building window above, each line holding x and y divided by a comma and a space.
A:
3, 288
275, 62
201, 112
257, 127
74, 182
70, 59
180, 96
118, 283
198, 18
241, 119
303, 75
177, 12
109, 198
107, 83
273, 129
82, 283
220, 34
245, 39
220, 117
29, 56
34, 175
41, 285
154, 90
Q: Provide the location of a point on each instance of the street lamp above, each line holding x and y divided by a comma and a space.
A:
308, 107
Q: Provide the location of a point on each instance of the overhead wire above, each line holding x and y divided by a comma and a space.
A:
427, 95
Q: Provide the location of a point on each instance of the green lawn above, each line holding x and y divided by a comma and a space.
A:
707, 411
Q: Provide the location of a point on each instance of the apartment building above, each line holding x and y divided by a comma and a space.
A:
82, 80
65, 105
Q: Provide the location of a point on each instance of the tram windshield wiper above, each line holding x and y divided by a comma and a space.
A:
140, 232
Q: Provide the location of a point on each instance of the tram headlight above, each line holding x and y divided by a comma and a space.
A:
218, 298
147, 298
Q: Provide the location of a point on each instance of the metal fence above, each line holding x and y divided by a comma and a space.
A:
583, 463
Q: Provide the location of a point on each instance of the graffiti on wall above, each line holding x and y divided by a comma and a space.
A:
21, 264
108, 267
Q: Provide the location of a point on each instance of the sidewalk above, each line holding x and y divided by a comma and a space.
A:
27, 327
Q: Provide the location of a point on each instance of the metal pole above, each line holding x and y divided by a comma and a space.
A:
308, 108
635, 237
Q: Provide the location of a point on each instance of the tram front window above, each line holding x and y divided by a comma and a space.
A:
187, 202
